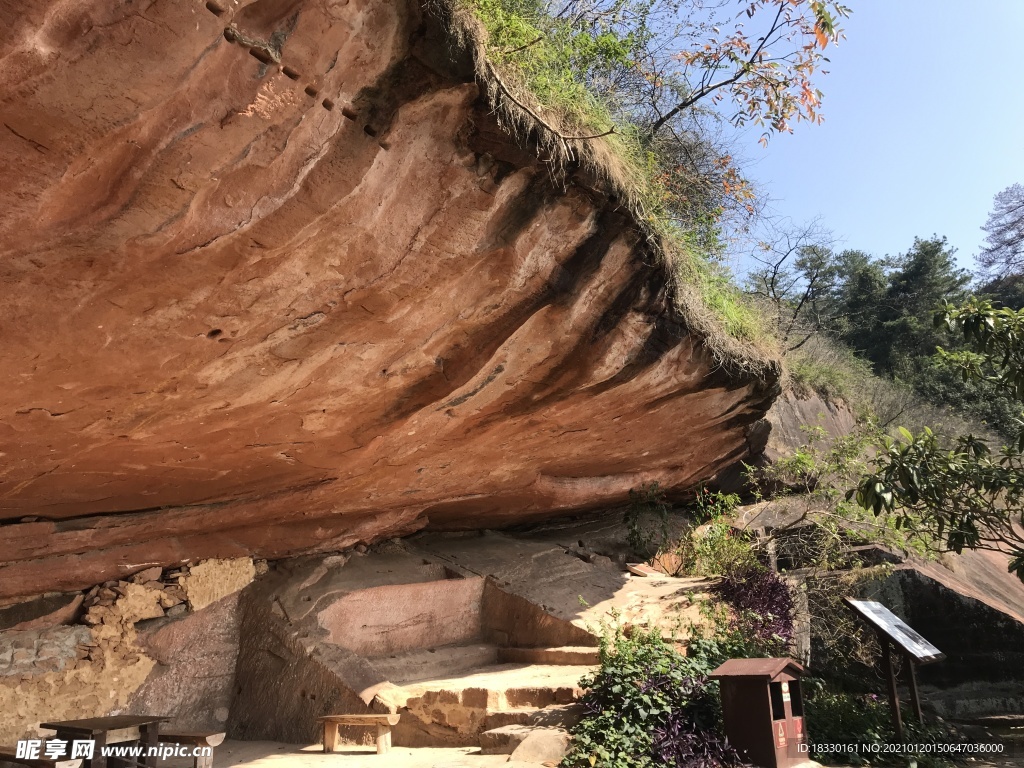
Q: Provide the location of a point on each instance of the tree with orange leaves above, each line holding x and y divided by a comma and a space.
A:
768, 76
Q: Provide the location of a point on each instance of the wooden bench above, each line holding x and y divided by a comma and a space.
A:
209, 739
10, 755
383, 723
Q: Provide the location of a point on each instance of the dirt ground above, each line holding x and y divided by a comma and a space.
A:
270, 754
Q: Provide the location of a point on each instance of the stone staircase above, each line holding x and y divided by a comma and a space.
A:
457, 709
569, 655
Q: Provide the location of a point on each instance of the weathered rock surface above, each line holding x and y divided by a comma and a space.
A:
41, 613
192, 680
792, 413
130, 658
542, 746
273, 281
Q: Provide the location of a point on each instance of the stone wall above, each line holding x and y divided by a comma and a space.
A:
390, 619
65, 673
193, 680
281, 687
510, 620
48, 650
983, 672
138, 649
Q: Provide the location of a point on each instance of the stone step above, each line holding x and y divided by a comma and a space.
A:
510, 686
503, 740
432, 663
569, 655
454, 711
505, 718
556, 715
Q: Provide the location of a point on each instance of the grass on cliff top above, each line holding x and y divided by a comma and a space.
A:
530, 76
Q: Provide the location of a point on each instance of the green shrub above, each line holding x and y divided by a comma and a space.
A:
710, 505
839, 717
648, 706
714, 548
646, 519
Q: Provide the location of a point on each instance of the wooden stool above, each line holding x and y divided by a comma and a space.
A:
383, 723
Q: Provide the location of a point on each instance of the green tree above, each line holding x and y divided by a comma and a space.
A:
965, 495
896, 329
858, 299
796, 278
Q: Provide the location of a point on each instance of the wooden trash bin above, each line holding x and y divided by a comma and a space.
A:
763, 710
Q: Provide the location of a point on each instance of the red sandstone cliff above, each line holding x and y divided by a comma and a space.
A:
273, 281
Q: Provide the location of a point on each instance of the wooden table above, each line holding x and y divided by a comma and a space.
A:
383, 723
119, 729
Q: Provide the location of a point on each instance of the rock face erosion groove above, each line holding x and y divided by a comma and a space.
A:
273, 281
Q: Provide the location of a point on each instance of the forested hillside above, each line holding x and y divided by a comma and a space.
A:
879, 311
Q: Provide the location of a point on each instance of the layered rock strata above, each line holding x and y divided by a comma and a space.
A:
273, 281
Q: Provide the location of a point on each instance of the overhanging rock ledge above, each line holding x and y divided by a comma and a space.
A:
274, 281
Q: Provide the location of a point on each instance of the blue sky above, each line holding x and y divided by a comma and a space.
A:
924, 122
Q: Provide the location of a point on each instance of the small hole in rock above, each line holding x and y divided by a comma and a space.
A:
260, 55
215, 9
369, 131
290, 73
311, 91
328, 104
348, 113
213, 334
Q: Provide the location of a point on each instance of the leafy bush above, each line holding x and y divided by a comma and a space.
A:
646, 505
710, 505
714, 548
838, 717
724, 634
649, 706
764, 607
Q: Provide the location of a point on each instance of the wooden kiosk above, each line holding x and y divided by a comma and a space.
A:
763, 710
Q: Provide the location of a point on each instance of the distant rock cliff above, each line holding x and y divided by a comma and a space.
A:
273, 281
